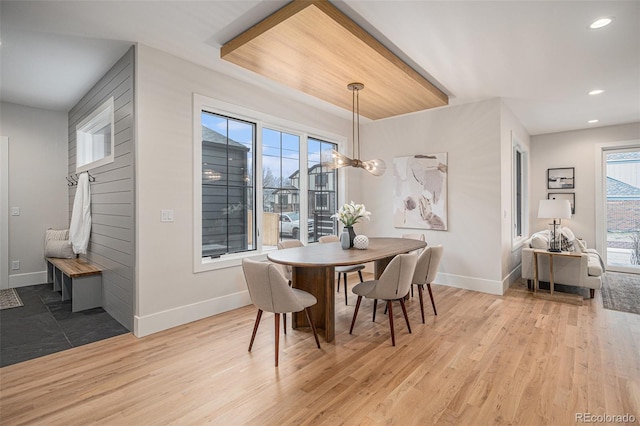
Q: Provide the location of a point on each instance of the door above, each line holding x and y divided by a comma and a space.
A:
4, 212
622, 208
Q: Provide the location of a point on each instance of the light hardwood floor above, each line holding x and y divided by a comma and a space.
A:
483, 360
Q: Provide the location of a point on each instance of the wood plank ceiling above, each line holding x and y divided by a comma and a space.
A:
311, 46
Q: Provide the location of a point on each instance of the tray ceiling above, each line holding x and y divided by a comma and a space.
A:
313, 47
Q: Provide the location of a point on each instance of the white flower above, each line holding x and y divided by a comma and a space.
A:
351, 213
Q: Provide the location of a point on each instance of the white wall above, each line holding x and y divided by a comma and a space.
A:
37, 184
169, 293
510, 128
471, 135
573, 149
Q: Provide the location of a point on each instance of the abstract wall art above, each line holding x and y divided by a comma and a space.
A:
420, 192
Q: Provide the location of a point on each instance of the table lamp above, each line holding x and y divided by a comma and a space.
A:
556, 210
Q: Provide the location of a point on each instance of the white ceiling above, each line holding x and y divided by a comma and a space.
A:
539, 56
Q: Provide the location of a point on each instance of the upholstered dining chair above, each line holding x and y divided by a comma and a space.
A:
425, 272
419, 237
284, 244
287, 270
342, 270
393, 284
270, 292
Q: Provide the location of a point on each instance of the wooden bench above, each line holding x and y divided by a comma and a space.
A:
78, 280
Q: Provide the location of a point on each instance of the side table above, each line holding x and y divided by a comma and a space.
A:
551, 254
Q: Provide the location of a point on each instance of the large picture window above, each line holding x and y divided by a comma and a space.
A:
248, 162
227, 185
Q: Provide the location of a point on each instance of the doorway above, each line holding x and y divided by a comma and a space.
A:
4, 212
621, 210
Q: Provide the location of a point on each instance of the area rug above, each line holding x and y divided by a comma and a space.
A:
9, 299
621, 292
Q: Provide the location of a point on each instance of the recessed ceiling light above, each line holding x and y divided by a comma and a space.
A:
592, 121
601, 22
596, 92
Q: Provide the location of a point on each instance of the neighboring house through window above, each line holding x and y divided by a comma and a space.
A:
246, 162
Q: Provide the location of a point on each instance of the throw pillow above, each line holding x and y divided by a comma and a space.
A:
57, 244
59, 248
56, 234
539, 241
579, 245
567, 239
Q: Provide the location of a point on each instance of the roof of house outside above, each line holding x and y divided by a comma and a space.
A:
618, 189
212, 136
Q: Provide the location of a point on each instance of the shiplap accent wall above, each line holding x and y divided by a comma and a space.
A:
112, 241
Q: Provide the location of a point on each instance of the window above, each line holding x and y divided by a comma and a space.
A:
280, 185
257, 179
323, 188
227, 185
94, 138
520, 191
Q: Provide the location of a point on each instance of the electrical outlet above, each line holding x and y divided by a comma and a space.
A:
15, 265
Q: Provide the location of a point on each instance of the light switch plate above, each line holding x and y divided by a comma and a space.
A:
166, 215
15, 211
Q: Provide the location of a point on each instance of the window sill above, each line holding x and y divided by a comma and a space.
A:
229, 261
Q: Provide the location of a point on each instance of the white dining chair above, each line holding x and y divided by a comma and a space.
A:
393, 284
342, 270
425, 272
270, 292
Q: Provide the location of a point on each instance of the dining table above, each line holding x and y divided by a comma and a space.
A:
313, 270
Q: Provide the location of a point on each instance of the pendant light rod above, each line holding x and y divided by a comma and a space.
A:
355, 117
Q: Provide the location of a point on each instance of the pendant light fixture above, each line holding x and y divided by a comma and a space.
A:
376, 167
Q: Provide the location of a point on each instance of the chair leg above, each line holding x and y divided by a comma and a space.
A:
434, 303
307, 312
345, 289
338, 288
420, 289
393, 336
406, 317
355, 314
284, 323
592, 293
360, 274
277, 329
375, 306
411, 291
255, 328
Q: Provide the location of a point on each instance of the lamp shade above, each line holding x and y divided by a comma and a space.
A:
554, 209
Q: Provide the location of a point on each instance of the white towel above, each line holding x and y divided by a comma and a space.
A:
80, 227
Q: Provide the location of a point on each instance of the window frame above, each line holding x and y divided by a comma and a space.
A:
215, 106
103, 113
518, 149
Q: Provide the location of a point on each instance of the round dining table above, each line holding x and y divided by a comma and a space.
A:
313, 270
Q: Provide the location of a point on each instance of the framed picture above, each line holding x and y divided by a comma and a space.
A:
561, 178
571, 196
420, 191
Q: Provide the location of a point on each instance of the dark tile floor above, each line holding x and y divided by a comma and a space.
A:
45, 325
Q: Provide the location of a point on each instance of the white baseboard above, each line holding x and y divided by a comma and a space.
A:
153, 323
514, 276
31, 278
470, 283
